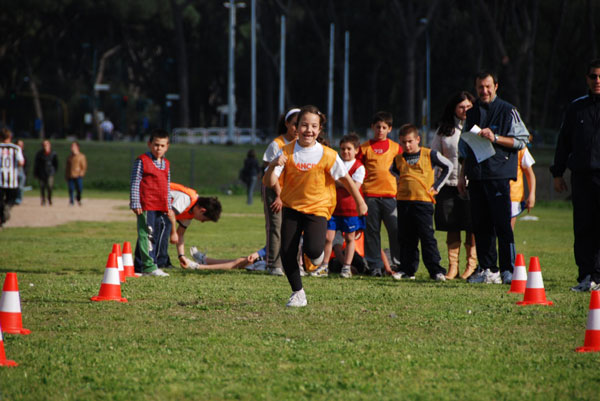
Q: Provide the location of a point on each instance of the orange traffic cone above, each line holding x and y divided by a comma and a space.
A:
519, 278
116, 249
534, 292
110, 289
592, 334
128, 260
10, 306
3, 360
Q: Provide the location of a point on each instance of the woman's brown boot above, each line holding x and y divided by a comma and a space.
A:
453, 253
471, 261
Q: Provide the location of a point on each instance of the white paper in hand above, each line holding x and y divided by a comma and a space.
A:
481, 147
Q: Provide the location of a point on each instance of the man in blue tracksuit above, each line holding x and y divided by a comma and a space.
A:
489, 180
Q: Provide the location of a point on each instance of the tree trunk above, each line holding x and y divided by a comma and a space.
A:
182, 62
37, 105
550, 82
99, 78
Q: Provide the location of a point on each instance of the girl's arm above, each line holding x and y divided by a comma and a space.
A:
530, 175
348, 183
270, 178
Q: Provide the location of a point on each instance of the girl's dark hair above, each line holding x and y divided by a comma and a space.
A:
310, 109
281, 127
446, 123
251, 154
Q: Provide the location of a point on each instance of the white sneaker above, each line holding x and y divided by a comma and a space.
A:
197, 255
275, 271
346, 272
259, 266
193, 265
492, 278
584, 285
321, 271
297, 299
318, 260
506, 277
157, 273
477, 277
594, 286
440, 277
402, 276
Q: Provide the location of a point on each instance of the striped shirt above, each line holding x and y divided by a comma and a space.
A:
10, 158
136, 178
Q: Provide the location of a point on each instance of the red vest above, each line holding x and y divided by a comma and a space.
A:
154, 187
346, 206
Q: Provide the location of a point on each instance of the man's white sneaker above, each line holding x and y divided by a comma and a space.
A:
321, 271
492, 278
584, 285
275, 271
346, 272
402, 276
317, 261
477, 277
297, 299
157, 273
197, 255
506, 277
440, 277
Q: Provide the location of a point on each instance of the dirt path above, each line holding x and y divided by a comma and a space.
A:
31, 214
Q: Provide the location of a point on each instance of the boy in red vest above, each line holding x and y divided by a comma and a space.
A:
345, 216
417, 187
150, 201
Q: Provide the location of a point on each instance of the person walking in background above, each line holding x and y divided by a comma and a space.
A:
489, 187
74, 172
249, 174
578, 149
452, 212
22, 174
11, 158
286, 130
44, 168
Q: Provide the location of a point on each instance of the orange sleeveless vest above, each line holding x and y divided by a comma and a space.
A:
311, 191
415, 180
379, 181
187, 213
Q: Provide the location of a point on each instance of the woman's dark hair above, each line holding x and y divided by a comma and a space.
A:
446, 123
251, 154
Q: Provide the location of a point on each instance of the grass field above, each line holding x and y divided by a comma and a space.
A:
227, 335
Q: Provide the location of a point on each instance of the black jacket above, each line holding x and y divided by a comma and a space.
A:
45, 165
578, 145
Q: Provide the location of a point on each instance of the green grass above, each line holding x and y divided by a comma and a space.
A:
208, 168
227, 335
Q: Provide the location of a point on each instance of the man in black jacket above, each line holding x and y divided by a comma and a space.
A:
578, 148
489, 179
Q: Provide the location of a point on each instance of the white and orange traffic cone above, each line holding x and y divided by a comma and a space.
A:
535, 294
128, 260
10, 306
110, 289
3, 360
519, 278
592, 333
116, 249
